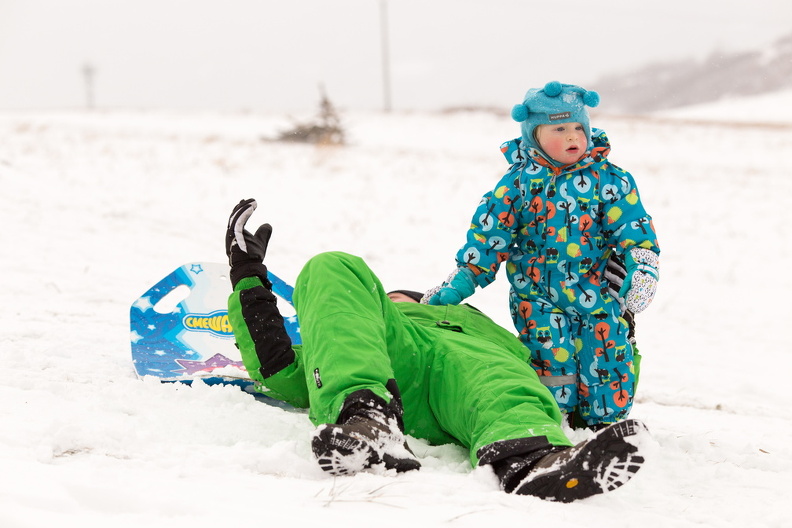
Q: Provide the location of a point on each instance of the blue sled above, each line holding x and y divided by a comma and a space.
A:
180, 329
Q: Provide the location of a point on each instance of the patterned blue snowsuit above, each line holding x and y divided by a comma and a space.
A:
555, 228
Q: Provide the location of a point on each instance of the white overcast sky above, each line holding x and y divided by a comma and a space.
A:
268, 55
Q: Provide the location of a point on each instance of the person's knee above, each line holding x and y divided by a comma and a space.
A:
330, 267
332, 259
320, 264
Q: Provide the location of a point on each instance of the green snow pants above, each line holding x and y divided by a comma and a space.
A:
462, 378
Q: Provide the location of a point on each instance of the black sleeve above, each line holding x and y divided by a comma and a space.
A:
267, 330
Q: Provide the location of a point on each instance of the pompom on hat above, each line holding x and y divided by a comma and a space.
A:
555, 103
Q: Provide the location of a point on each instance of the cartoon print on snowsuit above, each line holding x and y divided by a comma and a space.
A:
555, 228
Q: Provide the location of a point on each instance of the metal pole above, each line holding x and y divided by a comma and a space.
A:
88, 72
386, 89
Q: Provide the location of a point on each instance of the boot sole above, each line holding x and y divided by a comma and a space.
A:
604, 463
339, 453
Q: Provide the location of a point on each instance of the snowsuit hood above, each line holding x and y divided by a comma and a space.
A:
518, 151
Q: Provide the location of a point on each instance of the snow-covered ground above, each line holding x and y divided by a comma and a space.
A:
772, 109
97, 207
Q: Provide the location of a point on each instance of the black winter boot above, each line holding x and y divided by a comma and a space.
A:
369, 432
597, 465
512, 471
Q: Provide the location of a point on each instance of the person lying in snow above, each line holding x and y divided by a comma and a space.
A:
374, 367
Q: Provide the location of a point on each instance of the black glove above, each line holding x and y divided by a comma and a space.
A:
246, 251
615, 272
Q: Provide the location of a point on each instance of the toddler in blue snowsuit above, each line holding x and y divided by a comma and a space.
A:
555, 218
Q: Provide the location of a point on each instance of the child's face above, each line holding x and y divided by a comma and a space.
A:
565, 142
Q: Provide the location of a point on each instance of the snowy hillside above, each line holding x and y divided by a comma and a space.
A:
697, 80
97, 207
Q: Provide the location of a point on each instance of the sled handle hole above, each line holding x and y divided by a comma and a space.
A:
172, 299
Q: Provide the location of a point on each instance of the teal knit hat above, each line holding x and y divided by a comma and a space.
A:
555, 103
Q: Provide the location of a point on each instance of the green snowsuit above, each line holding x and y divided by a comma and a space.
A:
462, 378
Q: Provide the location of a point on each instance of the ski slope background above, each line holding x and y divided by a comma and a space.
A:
97, 207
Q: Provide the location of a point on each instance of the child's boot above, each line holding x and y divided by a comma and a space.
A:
597, 465
369, 432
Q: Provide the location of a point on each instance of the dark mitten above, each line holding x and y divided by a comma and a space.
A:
246, 251
615, 272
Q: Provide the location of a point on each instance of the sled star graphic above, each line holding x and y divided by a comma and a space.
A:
196, 268
215, 362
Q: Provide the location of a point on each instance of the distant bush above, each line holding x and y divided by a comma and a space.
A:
325, 129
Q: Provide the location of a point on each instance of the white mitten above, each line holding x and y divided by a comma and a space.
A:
640, 284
